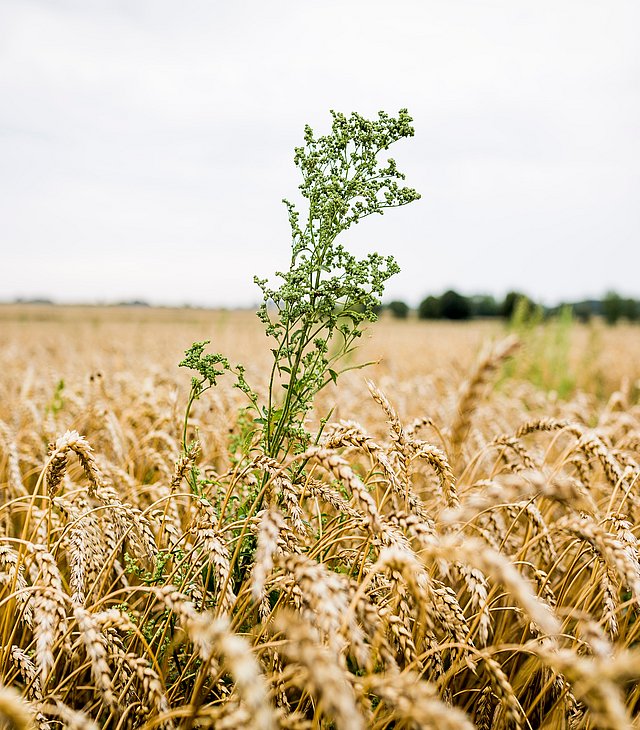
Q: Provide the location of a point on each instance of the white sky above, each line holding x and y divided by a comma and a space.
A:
145, 145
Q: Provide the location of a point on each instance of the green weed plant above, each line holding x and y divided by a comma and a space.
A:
317, 309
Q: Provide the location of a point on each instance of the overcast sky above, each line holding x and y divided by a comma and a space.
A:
145, 145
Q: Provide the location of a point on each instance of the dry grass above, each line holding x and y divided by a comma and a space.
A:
455, 553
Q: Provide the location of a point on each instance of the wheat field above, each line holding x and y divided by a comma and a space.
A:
459, 551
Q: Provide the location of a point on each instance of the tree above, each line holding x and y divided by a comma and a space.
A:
429, 308
454, 306
484, 305
631, 309
582, 311
612, 307
511, 302
399, 310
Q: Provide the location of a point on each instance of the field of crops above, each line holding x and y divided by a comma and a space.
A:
457, 549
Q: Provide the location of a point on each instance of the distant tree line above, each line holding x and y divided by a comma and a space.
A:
454, 306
